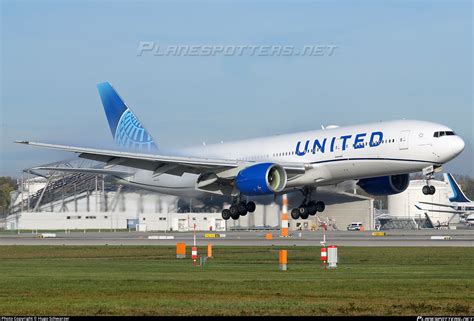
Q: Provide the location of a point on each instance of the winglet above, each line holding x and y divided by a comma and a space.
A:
458, 195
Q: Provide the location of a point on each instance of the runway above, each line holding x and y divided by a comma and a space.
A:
464, 238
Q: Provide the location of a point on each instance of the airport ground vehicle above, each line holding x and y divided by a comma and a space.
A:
355, 226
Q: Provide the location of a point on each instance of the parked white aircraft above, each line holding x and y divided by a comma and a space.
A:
379, 155
458, 202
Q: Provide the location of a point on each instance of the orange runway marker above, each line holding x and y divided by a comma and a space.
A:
283, 256
180, 250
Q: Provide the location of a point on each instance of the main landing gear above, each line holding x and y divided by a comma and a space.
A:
308, 207
237, 209
428, 189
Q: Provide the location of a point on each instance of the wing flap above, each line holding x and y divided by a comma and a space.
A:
84, 170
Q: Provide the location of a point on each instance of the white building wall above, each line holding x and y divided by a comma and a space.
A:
183, 222
155, 222
66, 221
115, 220
94, 211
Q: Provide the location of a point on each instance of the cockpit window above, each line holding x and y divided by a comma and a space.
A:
446, 133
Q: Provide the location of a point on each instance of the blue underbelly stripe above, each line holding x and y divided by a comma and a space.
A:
374, 158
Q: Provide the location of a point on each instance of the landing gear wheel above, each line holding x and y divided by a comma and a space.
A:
295, 213
226, 214
251, 207
432, 189
303, 210
242, 208
428, 172
312, 208
426, 190
305, 215
233, 211
320, 206
235, 216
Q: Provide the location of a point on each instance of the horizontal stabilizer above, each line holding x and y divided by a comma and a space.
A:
438, 204
438, 211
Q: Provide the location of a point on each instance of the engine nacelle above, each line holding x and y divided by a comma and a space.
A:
385, 185
261, 179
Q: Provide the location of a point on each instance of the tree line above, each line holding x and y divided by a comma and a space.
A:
7, 185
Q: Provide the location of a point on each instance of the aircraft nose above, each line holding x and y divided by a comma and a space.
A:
457, 145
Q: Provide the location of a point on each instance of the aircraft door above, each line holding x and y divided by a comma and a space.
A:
403, 141
338, 152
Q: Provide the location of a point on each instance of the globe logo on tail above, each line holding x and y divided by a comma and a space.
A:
130, 133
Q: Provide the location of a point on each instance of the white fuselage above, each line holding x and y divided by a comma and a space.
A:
329, 155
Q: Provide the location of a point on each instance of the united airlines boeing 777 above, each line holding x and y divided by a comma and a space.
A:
379, 156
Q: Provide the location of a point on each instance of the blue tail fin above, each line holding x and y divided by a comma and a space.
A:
458, 195
124, 125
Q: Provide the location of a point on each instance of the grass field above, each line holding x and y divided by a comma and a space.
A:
106, 280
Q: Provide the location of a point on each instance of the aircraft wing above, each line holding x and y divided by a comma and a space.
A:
159, 164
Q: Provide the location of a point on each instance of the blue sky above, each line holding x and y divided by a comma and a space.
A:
394, 60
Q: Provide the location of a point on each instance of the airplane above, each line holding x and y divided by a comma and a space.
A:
379, 156
458, 202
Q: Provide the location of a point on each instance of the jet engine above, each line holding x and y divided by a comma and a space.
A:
261, 179
385, 185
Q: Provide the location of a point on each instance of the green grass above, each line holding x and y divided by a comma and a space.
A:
106, 280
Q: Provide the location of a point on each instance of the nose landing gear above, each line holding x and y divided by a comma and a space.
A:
428, 189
